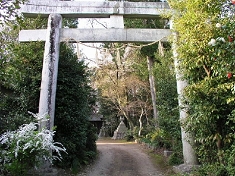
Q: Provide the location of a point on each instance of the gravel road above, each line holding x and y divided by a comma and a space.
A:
121, 159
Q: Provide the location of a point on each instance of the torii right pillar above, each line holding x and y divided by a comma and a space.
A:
190, 158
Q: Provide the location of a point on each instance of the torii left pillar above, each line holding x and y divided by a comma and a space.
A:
50, 71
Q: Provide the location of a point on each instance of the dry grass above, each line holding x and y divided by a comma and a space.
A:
108, 140
160, 161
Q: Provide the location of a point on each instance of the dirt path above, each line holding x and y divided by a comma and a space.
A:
121, 159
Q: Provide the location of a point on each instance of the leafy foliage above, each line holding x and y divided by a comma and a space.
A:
20, 78
73, 107
25, 148
9, 10
121, 90
167, 102
206, 51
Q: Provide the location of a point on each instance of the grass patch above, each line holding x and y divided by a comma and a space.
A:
161, 163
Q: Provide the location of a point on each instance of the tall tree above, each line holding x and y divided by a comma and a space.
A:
148, 53
118, 82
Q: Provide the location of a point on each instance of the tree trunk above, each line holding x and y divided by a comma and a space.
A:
152, 87
140, 121
129, 120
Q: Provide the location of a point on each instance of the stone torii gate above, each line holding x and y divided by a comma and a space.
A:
54, 34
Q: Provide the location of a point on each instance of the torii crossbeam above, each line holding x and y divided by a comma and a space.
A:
99, 35
97, 9
93, 9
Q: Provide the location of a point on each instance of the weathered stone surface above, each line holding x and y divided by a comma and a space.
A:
189, 154
43, 172
99, 35
50, 70
185, 168
121, 131
167, 153
102, 132
93, 9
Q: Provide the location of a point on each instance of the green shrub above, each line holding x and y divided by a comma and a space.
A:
211, 170
73, 107
161, 138
91, 147
21, 76
130, 135
175, 159
26, 148
145, 140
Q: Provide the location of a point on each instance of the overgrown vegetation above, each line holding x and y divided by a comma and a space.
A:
27, 148
20, 78
206, 50
9, 10
73, 107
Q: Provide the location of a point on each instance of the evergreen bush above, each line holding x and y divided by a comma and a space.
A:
73, 108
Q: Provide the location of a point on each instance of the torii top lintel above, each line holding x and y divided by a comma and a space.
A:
93, 9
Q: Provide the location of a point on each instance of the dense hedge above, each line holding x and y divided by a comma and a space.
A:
73, 107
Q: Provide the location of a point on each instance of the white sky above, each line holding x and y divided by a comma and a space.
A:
90, 52
91, 23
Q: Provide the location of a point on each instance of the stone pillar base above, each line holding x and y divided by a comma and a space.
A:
185, 168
